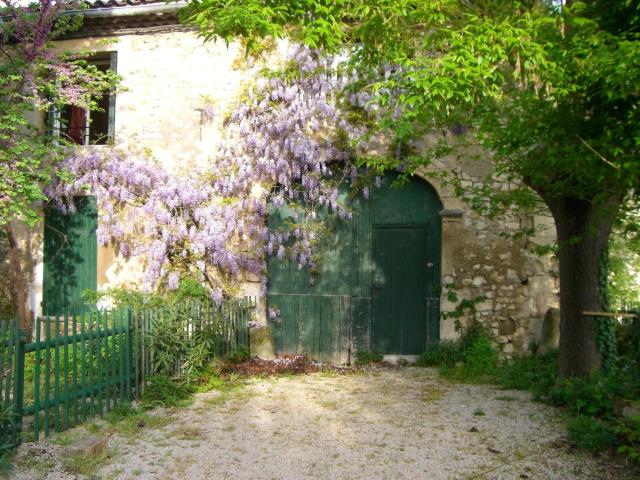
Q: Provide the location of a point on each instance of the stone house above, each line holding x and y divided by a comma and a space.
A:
384, 279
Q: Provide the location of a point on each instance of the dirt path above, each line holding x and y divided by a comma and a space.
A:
387, 424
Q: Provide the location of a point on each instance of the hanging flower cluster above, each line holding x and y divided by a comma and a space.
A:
290, 136
176, 224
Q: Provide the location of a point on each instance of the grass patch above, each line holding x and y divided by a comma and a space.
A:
242, 354
506, 398
536, 374
366, 357
162, 391
6, 463
432, 394
86, 466
230, 388
64, 439
330, 404
185, 432
129, 421
591, 433
37, 467
446, 352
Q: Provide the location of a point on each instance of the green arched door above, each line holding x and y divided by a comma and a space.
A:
405, 227
378, 283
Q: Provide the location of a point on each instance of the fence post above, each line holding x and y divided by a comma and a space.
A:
128, 353
21, 340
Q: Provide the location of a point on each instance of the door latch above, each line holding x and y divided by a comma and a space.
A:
429, 264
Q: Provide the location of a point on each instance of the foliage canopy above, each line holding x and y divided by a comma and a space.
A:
549, 88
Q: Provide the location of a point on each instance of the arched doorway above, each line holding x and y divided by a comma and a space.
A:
378, 283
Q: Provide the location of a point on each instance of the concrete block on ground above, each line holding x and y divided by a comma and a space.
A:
87, 447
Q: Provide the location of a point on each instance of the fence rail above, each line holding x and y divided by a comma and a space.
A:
82, 364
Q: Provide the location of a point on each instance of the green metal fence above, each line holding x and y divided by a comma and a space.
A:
83, 364
81, 368
11, 382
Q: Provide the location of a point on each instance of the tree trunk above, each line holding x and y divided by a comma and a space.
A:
583, 230
24, 315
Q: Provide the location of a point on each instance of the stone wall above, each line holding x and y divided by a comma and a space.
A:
169, 78
480, 257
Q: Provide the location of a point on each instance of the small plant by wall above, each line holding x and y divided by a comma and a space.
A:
367, 357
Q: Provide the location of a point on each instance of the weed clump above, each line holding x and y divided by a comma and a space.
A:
591, 433
446, 353
367, 357
471, 358
162, 391
240, 355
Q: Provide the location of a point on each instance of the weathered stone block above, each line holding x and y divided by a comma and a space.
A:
507, 326
478, 281
262, 345
87, 447
485, 305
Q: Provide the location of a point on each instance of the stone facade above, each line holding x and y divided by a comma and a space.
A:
482, 258
170, 77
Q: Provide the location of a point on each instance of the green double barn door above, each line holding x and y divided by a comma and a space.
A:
378, 282
70, 255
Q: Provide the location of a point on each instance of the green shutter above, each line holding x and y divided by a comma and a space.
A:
70, 255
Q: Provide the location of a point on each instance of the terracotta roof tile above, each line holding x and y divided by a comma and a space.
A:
121, 3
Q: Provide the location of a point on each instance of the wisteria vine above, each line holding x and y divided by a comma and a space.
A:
293, 136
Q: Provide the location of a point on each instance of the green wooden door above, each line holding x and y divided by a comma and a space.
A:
335, 316
400, 259
315, 308
70, 255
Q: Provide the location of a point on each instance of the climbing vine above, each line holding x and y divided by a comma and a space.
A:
292, 140
467, 307
605, 326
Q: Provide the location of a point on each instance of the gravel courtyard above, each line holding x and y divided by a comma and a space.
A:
381, 424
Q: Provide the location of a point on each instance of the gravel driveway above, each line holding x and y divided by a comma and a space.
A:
381, 424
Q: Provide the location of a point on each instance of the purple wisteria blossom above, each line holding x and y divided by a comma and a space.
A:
290, 136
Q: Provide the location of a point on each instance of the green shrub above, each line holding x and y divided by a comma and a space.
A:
209, 380
628, 340
480, 358
366, 357
629, 431
128, 420
592, 397
479, 361
241, 354
162, 391
472, 334
538, 374
446, 352
120, 412
6, 461
591, 433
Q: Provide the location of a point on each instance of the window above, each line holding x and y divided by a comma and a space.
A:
84, 127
